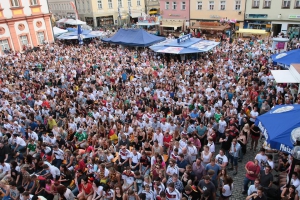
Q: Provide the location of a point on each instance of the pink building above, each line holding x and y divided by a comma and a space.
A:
175, 9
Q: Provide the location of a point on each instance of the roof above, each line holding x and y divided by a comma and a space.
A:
134, 37
215, 28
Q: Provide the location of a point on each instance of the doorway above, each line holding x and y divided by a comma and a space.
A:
276, 29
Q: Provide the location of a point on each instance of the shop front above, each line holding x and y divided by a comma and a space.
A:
172, 27
149, 23
211, 30
105, 21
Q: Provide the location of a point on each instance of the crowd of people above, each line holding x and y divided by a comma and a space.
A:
104, 122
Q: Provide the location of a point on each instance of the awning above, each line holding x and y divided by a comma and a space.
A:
137, 14
153, 12
172, 26
217, 28
284, 76
147, 24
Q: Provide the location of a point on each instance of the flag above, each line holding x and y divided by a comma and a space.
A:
119, 12
129, 10
74, 8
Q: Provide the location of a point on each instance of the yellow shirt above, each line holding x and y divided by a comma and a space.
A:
51, 123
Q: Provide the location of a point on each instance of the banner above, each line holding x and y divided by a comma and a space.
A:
174, 50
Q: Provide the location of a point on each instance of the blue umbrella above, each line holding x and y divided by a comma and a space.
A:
280, 126
287, 58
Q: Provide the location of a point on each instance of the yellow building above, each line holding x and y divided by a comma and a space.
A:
101, 12
215, 10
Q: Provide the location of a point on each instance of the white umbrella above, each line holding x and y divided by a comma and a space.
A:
74, 22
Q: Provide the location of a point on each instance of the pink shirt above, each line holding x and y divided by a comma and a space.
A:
196, 142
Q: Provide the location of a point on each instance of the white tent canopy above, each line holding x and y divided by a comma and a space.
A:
58, 31
74, 22
284, 76
62, 20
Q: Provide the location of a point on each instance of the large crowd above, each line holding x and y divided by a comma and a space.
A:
115, 123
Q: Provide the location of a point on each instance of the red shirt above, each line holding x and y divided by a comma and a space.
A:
87, 189
251, 167
167, 140
80, 166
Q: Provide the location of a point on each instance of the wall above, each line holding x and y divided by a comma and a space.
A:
175, 14
272, 12
215, 15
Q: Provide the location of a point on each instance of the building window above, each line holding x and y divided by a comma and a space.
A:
129, 3
120, 3
211, 5
15, 3
174, 6
255, 4
99, 4
267, 4
222, 5
286, 4
34, 2
138, 2
183, 5
110, 5
199, 5
237, 5
41, 37
23, 40
297, 4
167, 5
4, 45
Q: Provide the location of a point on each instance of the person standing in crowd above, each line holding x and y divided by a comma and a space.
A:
234, 155
252, 172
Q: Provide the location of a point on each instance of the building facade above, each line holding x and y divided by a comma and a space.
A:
152, 7
216, 10
175, 10
273, 15
61, 9
24, 23
99, 13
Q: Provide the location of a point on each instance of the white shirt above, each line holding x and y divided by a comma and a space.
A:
20, 142
175, 195
54, 171
129, 178
59, 154
172, 170
227, 189
5, 168
159, 137
222, 126
253, 114
262, 159
221, 159
251, 189
124, 155
135, 158
149, 195
33, 136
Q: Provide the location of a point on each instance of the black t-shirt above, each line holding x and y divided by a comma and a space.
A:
207, 188
265, 179
4, 150
226, 144
137, 145
191, 196
61, 143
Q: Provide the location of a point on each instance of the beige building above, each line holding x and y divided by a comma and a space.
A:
215, 10
100, 12
273, 15
152, 7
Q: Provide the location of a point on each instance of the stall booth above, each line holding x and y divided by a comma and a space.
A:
211, 30
249, 32
149, 24
171, 26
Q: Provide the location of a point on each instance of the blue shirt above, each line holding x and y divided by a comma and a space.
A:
216, 168
124, 76
194, 115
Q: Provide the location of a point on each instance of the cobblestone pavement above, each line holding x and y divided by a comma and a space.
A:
239, 178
